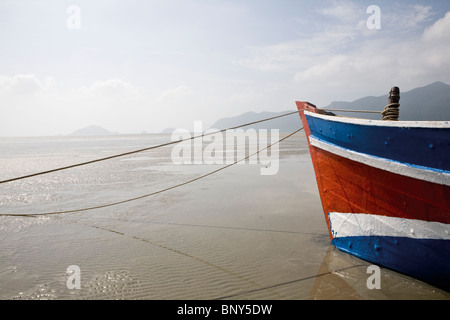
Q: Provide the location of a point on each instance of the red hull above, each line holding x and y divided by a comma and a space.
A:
349, 186
385, 190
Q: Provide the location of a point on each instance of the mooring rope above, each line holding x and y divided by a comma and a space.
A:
170, 143
348, 110
158, 146
144, 149
391, 112
156, 192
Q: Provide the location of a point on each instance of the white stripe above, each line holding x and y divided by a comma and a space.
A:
361, 224
382, 123
417, 172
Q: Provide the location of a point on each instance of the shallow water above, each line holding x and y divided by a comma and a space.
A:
236, 234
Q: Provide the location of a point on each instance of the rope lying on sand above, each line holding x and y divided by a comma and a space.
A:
156, 192
154, 147
142, 150
170, 143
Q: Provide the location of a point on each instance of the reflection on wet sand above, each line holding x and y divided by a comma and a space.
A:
344, 277
235, 235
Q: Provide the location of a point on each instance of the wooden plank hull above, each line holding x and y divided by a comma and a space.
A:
385, 190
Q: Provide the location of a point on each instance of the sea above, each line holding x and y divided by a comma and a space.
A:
234, 234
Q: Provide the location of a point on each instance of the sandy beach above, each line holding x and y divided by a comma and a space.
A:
236, 234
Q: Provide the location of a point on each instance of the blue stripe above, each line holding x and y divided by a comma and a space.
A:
425, 259
427, 147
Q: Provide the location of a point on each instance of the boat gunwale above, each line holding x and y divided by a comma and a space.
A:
382, 123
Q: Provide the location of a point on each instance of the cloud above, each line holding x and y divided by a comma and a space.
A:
340, 25
20, 84
273, 58
148, 75
409, 18
380, 58
439, 31
395, 18
109, 90
175, 94
342, 10
21, 98
112, 86
30, 106
346, 60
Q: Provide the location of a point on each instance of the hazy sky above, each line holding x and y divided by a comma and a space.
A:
133, 66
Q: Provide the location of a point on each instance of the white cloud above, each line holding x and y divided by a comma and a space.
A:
342, 10
348, 62
30, 106
341, 24
20, 84
175, 94
145, 72
408, 18
439, 31
416, 55
113, 87
331, 66
110, 91
114, 104
279, 57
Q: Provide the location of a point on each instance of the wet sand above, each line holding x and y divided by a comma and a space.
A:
233, 235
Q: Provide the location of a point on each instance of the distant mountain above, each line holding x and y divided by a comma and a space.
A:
168, 130
288, 123
91, 131
431, 102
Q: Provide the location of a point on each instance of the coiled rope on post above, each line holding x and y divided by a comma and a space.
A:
391, 111
153, 193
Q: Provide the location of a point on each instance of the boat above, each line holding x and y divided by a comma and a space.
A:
384, 186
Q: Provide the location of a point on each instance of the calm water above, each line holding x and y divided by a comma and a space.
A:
232, 235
